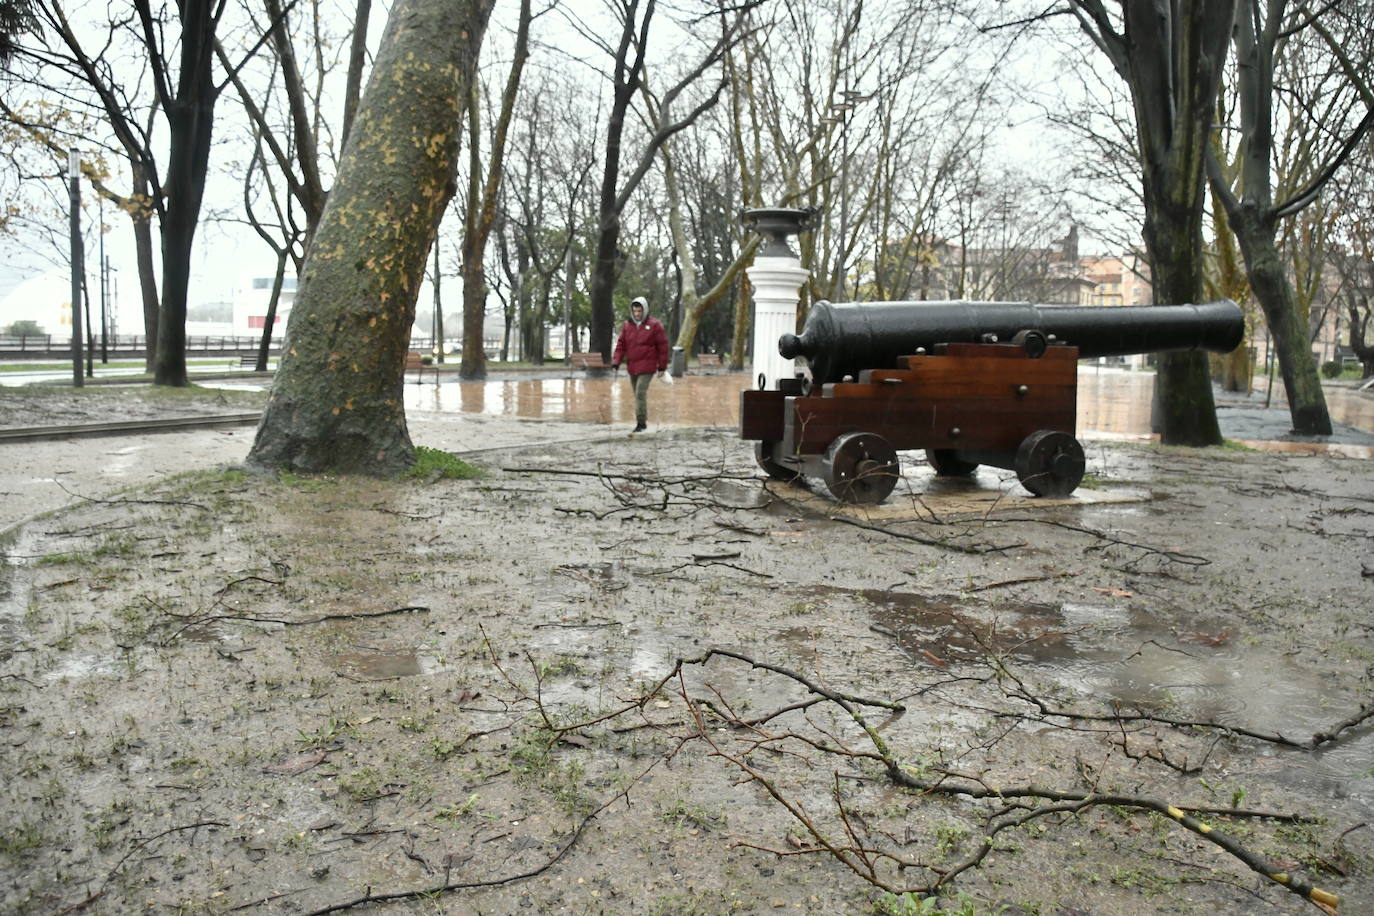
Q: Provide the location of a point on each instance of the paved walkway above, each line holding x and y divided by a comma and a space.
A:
472, 417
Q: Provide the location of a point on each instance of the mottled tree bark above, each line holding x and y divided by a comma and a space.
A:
1287, 325
336, 403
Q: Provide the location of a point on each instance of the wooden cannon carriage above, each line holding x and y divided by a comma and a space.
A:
971, 383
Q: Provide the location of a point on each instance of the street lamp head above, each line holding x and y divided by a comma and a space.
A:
73, 163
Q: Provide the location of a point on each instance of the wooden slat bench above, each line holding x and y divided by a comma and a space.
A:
248, 362
592, 362
416, 363
708, 360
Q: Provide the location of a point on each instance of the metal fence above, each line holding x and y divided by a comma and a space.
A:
45, 345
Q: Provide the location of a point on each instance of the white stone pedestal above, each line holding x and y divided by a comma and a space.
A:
777, 286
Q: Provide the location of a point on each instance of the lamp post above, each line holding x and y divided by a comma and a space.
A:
104, 294
74, 193
567, 307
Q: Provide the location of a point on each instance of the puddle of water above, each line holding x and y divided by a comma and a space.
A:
384, 664
1120, 656
79, 666
1336, 449
1113, 404
16, 589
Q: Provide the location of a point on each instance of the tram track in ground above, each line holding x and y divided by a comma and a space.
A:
125, 427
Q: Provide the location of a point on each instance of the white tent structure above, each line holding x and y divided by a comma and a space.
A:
45, 300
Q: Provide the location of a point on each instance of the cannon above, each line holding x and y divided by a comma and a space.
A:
972, 383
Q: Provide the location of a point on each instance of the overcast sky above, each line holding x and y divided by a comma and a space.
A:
226, 254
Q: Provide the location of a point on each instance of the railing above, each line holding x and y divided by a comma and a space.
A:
60, 346
49, 345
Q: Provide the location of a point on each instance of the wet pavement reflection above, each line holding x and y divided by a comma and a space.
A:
1127, 658
1112, 404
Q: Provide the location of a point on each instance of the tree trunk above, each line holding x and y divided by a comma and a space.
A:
270, 322
1255, 218
336, 403
438, 311
604, 270
1306, 403
1173, 62
482, 203
1363, 352
1236, 369
474, 365
1183, 410
739, 346
357, 61
147, 280
190, 125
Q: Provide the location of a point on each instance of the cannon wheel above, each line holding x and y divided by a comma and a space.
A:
860, 468
1050, 463
947, 463
763, 456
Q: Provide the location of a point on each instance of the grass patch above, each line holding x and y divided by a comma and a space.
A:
441, 465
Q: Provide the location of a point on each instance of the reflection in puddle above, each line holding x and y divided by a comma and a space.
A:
382, 664
1112, 403
1121, 657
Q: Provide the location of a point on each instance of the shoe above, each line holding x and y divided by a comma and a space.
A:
639, 428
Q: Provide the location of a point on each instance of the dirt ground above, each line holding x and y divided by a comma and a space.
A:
224, 692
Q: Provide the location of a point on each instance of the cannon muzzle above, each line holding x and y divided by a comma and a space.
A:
844, 338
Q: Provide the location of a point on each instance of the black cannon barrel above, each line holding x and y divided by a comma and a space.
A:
844, 338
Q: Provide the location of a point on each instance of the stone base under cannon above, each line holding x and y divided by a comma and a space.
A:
965, 404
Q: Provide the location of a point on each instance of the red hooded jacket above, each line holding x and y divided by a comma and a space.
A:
642, 347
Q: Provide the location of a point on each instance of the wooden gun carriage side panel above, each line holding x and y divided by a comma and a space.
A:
966, 403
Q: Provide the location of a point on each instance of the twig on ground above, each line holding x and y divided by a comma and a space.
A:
132, 502
141, 844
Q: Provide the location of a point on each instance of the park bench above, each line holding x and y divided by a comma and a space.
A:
708, 360
591, 362
416, 363
248, 362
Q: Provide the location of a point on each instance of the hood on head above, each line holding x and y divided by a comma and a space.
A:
643, 303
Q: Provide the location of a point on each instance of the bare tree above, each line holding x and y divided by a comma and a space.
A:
483, 198
628, 53
550, 168
1264, 33
1171, 58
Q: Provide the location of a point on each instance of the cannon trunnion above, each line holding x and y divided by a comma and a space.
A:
1005, 397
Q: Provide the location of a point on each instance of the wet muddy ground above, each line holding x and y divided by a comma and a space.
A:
223, 692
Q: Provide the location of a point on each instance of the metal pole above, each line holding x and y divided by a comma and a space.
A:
567, 308
104, 304
437, 329
104, 296
844, 193
74, 191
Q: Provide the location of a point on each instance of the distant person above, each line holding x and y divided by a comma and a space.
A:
643, 346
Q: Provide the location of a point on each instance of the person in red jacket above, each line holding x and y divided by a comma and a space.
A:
643, 347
